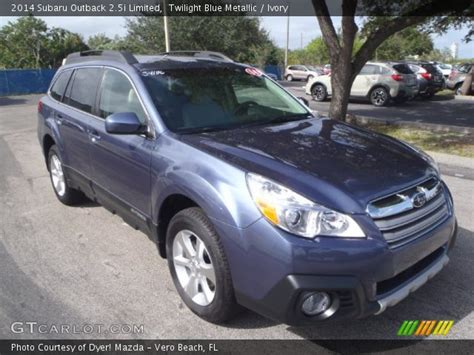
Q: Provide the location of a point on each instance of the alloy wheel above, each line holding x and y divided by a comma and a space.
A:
194, 268
379, 97
57, 175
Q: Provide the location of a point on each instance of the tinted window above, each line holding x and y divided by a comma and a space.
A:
59, 86
430, 68
84, 89
402, 69
465, 68
118, 95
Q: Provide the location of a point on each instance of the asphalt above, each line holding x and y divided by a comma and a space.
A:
440, 110
83, 265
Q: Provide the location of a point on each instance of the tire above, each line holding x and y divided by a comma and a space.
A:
211, 294
319, 92
427, 95
64, 193
379, 96
457, 89
289, 77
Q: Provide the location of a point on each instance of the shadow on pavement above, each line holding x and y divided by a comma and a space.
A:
9, 101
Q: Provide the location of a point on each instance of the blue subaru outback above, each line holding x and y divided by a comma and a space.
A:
253, 200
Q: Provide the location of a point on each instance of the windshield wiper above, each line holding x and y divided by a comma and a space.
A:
283, 119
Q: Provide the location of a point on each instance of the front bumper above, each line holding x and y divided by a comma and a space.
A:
273, 271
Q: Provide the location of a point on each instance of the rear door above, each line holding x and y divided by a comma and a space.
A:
74, 121
121, 163
364, 81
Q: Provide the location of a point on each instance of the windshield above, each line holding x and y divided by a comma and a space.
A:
203, 99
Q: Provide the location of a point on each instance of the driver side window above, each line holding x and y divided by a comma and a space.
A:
118, 95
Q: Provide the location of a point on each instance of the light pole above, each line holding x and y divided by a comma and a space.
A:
165, 23
287, 39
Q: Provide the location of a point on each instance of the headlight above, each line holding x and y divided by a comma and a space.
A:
298, 215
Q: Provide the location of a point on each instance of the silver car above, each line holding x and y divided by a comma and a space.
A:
300, 72
377, 81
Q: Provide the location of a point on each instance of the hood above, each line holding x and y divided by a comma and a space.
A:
336, 164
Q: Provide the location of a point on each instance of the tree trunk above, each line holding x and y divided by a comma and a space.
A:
341, 83
467, 85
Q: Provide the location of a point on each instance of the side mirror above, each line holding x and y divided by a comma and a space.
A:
124, 123
304, 101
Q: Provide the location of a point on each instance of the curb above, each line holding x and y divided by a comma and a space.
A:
452, 160
463, 98
435, 127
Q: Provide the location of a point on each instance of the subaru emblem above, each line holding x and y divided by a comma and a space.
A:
419, 200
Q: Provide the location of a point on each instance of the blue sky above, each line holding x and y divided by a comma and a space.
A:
276, 26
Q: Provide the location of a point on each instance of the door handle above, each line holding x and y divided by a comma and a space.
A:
94, 136
59, 119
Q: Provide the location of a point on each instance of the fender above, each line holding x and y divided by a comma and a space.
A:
220, 189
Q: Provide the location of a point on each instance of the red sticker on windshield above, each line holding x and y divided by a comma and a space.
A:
253, 72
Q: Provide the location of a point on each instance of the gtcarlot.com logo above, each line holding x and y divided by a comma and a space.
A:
425, 327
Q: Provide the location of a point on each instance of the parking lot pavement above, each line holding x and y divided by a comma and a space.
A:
441, 109
83, 265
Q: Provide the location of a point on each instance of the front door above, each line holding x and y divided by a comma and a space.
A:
121, 163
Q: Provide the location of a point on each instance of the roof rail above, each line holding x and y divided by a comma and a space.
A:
119, 56
199, 54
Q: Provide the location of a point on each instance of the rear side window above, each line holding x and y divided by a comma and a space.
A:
59, 86
118, 95
369, 70
430, 68
84, 89
403, 69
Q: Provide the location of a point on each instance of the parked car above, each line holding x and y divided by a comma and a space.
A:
430, 79
252, 199
379, 82
300, 72
444, 68
457, 76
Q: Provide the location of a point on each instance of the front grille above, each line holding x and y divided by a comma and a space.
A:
409, 214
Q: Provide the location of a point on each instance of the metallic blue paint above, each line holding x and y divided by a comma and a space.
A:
332, 163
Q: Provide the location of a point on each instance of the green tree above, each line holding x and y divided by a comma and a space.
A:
29, 43
23, 44
435, 15
240, 38
61, 43
407, 43
100, 41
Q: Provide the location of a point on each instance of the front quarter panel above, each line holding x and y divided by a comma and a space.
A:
217, 187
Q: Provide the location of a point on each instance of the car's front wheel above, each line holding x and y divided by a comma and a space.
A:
379, 97
199, 267
63, 191
319, 92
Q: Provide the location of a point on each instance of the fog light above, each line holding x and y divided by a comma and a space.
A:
316, 303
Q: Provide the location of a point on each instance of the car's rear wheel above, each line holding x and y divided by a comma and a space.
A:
289, 77
379, 96
457, 89
199, 267
63, 191
319, 92
309, 78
